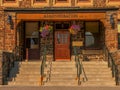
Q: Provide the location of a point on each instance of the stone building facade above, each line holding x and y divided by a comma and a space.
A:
15, 13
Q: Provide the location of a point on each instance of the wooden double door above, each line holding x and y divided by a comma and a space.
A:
62, 45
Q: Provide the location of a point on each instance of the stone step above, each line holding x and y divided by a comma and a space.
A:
99, 79
25, 83
64, 75
31, 72
63, 78
61, 83
96, 70
95, 62
63, 69
63, 62
30, 62
67, 72
99, 83
28, 75
99, 72
30, 78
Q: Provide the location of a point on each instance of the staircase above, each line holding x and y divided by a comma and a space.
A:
98, 74
27, 74
63, 74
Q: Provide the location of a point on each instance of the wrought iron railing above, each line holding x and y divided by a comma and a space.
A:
8, 61
111, 63
7, 64
79, 65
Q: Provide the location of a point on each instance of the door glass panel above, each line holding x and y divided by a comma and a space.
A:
62, 38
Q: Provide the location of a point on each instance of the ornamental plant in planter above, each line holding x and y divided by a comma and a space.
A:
74, 29
45, 30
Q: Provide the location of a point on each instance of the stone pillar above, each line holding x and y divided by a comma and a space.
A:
111, 34
1, 79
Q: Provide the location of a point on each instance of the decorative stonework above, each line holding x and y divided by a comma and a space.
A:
25, 3
99, 3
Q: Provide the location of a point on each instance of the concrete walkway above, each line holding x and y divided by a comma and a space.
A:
57, 88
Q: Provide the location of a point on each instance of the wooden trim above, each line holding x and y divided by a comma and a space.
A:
62, 16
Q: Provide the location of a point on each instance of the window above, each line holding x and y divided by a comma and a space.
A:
119, 34
92, 35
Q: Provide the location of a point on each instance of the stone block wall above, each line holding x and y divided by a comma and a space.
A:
9, 33
111, 35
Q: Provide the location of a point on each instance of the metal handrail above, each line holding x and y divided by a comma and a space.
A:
83, 71
7, 64
78, 65
111, 64
49, 71
43, 64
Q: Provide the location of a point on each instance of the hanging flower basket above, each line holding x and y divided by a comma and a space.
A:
45, 30
74, 29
